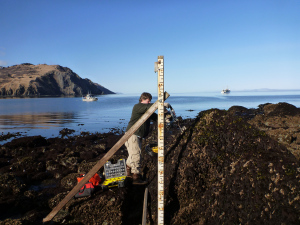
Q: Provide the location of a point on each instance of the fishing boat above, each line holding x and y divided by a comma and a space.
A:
89, 98
225, 91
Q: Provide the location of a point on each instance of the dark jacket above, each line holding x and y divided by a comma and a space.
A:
137, 112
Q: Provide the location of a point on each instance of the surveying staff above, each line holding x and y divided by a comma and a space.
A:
134, 143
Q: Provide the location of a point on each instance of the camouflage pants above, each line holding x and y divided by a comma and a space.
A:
134, 146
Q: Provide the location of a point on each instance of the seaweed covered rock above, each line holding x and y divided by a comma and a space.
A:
36, 173
281, 109
282, 122
227, 167
232, 173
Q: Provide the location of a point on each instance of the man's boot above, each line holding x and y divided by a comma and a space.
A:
128, 171
137, 179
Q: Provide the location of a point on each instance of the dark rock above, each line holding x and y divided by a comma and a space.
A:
239, 166
85, 167
281, 121
27, 142
69, 181
65, 132
8, 136
281, 109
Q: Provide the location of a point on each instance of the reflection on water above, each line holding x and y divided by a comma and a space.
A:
42, 120
47, 116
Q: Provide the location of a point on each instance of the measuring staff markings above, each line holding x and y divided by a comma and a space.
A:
159, 67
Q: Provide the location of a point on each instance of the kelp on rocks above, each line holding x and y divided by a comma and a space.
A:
227, 167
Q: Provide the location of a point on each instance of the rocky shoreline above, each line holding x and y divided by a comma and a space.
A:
236, 166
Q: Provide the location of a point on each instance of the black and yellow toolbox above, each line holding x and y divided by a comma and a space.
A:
115, 174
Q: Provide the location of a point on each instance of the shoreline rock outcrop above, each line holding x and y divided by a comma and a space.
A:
26, 80
227, 167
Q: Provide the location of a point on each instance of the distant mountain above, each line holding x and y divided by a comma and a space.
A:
45, 80
269, 90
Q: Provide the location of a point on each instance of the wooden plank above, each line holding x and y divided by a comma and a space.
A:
102, 161
145, 206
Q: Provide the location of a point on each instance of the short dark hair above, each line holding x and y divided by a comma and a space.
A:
145, 95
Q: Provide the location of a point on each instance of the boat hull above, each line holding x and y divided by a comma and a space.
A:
225, 91
90, 100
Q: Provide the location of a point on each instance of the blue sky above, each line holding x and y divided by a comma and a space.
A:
207, 45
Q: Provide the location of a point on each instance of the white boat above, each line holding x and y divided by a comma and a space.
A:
89, 98
225, 91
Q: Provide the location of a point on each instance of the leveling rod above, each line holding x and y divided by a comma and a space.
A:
159, 68
104, 159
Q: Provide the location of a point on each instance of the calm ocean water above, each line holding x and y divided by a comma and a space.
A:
47, 116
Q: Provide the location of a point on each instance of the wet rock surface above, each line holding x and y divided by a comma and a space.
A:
239, 166
282, 122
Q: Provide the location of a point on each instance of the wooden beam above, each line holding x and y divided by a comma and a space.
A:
104, 159
144, 220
